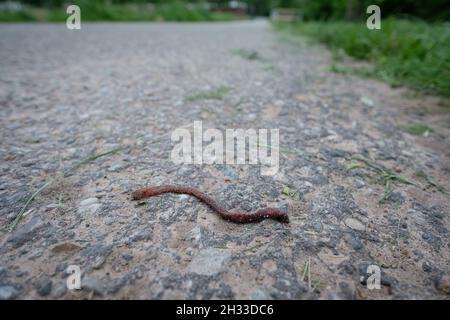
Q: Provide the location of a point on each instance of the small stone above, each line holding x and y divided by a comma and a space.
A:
60, 290
194, 235
354, 224
279, 103
356, 243
115, 168
367, 102
258, 295
359, 183
230, 173
26, 232
43, 285
127, 257
29, 163
65, 247
88, 202
8, 292
317, 226
142, 235
287, 206
61, 267
93, 285
98, 262
209, 261
444, 284
3, 273
89, 205
139, 273
360, 294
346, 267
426, 267
51, 207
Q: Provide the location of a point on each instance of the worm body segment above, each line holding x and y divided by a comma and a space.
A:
237, 217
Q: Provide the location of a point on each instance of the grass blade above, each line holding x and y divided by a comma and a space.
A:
19, 216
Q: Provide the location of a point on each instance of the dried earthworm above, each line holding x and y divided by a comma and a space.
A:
238, 217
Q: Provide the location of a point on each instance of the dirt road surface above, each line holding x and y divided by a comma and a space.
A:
68, 96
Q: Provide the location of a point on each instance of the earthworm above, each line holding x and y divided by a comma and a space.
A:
237, 217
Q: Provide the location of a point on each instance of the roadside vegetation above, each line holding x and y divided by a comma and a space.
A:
115, 11
412, 48
404, 52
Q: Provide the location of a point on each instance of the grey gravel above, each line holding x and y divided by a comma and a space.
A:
43, 285
94, 285
210, 261
8, 292
26, 232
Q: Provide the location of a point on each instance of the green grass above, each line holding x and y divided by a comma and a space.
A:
92, 11
291, 193
68, 172
178, 11
412, 53
22, 16
214, 94
247, 54
418, 130
430, 180
386, 177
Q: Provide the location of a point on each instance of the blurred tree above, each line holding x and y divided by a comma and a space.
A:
312, 9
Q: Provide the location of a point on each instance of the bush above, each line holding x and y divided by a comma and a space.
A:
23, 16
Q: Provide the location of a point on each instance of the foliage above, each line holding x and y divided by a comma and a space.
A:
414, 53
100, 10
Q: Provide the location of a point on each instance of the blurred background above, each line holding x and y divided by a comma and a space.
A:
183, 10
413, 47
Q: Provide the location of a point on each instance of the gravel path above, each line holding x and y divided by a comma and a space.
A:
67, 95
